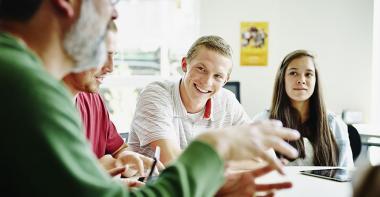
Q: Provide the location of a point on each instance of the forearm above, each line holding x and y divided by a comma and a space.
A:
169, 156
219, 143
197, 172
169, 150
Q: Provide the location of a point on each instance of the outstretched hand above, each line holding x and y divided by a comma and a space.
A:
244, 183
252, 142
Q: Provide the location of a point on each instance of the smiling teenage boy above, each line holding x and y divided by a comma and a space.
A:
170, 114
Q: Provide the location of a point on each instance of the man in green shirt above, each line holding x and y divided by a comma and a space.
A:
43, 149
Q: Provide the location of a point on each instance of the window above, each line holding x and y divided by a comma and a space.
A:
152, 38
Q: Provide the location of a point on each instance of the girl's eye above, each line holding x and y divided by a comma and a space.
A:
292, 73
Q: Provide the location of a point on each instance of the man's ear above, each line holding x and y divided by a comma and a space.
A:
64, 6
184, 65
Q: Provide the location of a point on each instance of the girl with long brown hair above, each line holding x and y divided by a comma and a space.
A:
298, 103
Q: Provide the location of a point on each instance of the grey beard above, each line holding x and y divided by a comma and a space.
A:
85, 42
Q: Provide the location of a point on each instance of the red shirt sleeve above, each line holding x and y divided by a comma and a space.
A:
114, 140
99, 129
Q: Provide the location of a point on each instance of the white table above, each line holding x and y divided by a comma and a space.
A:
367, 130
370, 134
307, 186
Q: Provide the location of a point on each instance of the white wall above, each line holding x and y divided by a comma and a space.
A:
375, 118
338, 31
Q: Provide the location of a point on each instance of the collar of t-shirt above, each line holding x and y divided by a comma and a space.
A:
196, 116
203, 114
207, 110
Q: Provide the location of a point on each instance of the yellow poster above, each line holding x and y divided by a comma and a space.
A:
254, 43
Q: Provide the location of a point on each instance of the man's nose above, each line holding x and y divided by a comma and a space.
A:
108, 66
114, 14
208, 81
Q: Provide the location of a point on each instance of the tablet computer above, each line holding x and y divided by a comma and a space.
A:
336, 174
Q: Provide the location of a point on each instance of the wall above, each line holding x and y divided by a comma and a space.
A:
338, 31
375, 105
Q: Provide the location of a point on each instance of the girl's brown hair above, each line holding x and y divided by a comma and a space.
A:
316, 128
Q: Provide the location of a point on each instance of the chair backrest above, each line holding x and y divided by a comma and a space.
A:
124, 135
234, 86
355, 141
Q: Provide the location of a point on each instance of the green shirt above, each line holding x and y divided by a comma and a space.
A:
44, 151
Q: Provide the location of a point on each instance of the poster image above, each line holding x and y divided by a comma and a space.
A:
254, 43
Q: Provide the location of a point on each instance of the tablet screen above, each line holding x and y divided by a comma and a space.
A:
336, 174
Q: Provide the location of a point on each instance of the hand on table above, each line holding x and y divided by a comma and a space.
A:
244, 184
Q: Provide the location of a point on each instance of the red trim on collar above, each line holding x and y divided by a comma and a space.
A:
207, 113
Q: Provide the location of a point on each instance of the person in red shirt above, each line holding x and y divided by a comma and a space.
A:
106, 142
